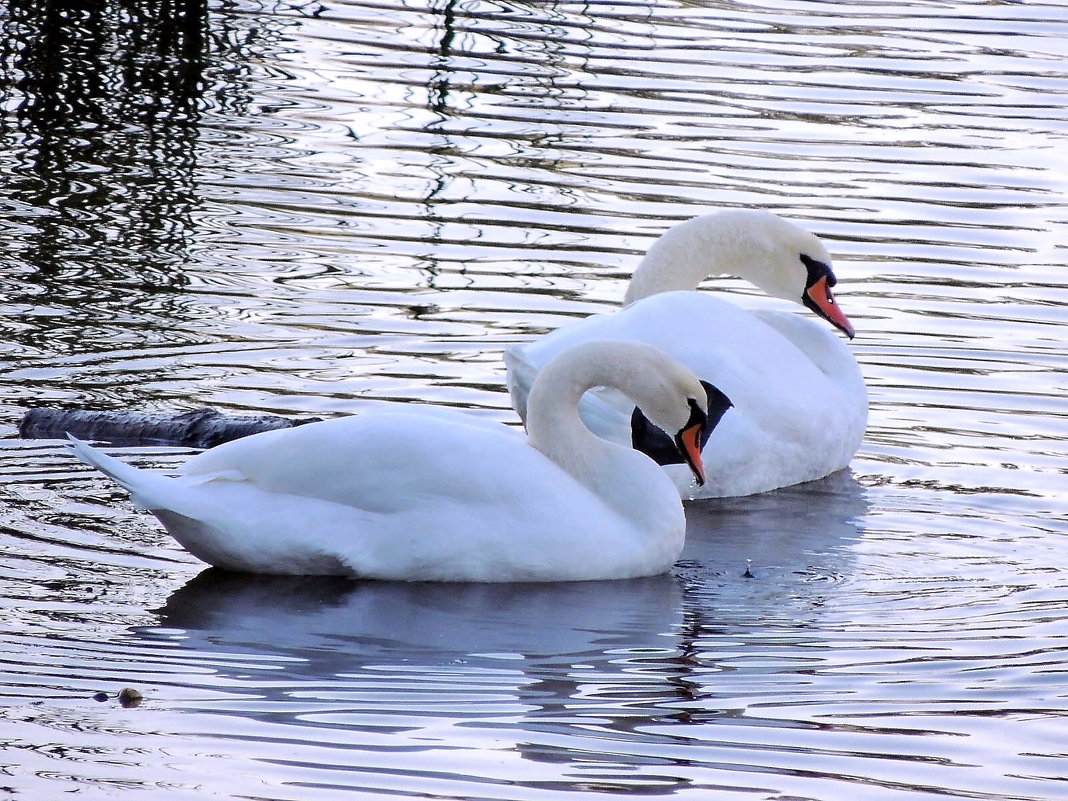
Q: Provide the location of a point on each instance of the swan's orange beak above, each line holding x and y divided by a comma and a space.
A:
689, 440
820, 299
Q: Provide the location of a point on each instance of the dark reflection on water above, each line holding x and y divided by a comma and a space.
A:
112, 114
743, 553
101, 142
347, 625
98, 154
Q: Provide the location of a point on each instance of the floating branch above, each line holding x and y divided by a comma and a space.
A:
200, 428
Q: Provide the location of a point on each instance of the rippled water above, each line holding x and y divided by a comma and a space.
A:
302, 208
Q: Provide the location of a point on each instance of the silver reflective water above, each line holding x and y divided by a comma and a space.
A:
368, 201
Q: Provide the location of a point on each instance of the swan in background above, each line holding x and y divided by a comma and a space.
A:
427, 494
800, 404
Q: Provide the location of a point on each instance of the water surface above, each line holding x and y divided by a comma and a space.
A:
307, 208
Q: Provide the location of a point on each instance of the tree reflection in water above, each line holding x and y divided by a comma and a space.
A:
106, 106
102, 118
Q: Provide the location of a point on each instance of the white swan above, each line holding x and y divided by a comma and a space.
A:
419, 493
800, 404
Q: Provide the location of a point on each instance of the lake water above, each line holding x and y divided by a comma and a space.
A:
304, 208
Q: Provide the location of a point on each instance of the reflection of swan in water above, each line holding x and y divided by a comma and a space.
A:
795, 541
790, 535
341, 624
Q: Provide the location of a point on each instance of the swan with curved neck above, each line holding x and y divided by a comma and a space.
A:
800, 404
427, 494
773, 254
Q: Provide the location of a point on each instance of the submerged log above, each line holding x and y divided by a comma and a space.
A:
200, 428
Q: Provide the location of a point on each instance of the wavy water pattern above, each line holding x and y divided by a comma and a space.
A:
306, 208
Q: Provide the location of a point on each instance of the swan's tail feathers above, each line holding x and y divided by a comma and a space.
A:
521, 375
139, 483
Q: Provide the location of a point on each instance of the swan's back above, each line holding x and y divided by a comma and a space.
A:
376, 461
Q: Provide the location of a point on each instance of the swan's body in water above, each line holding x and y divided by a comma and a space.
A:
800, 404
420, 493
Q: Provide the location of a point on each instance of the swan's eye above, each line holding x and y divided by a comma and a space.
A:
816, 270
698, 417
819, 298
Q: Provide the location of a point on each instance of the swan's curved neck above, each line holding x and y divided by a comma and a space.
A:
555, 428
723, 243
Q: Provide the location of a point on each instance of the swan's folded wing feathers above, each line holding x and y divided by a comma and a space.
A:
371, 461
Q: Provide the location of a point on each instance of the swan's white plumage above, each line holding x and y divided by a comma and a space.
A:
419, 493
800, 404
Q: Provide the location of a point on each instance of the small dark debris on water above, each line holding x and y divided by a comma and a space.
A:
748, 569
199, 428
127, 697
